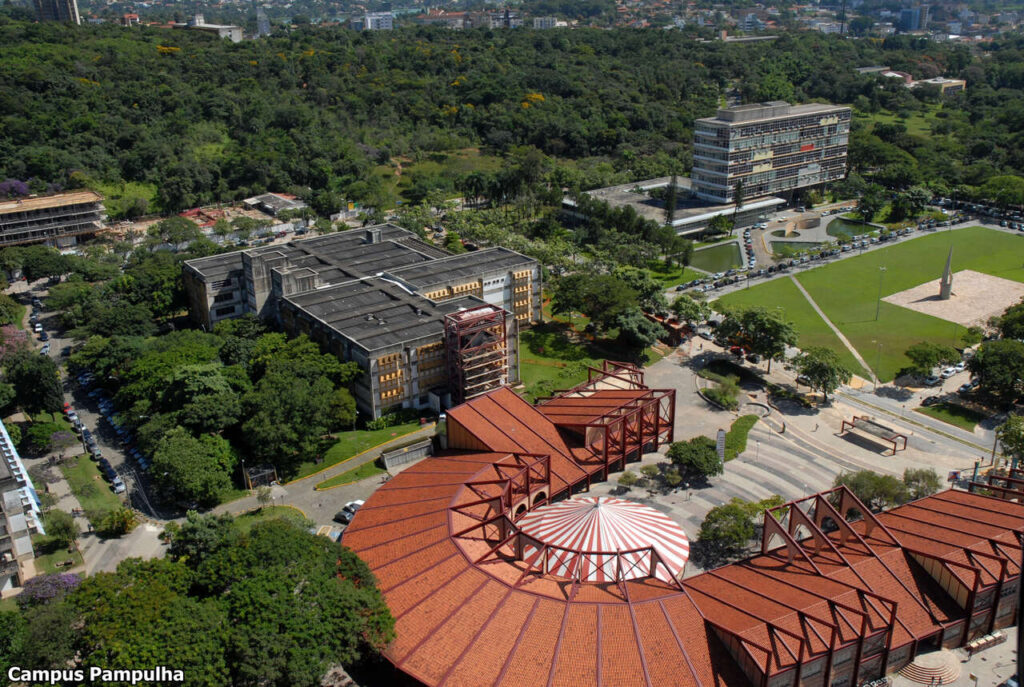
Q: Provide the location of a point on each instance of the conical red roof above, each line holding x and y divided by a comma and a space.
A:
585, 535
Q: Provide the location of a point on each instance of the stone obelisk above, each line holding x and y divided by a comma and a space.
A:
946, 287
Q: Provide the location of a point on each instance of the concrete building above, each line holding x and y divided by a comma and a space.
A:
544, 22
273, 203
910, 19
378, 21
946, 86
58, 10
19, 516
770, 147
385, 299
233, 33
55, 220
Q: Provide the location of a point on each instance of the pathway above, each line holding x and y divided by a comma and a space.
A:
835, 329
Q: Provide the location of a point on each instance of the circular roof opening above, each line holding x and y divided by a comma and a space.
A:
604, 539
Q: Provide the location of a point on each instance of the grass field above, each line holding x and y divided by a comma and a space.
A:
352, 443
52, 553
952, 414
89, 487
246, 521
813, 330
354, 475
847, 291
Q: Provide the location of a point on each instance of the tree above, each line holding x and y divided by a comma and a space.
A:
875, 491
670, 200
35, 381
999, 368
118, 522
690, 310
453, 243
628, 479
871, 201
188, 469
175, 230
200, 536
926, 355
737, 199
697, 458
760, 331
636, 331
601, 297
726, 530
823, 369
650, 293
1011, 436
13, 631
61, 526
720, 224
38, 437
921, 482
1011, 322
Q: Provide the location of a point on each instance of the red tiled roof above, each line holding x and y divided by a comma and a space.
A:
466, 615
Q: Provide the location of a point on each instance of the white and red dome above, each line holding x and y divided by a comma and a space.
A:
605, 539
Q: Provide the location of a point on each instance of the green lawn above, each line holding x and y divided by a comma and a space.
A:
352, 443
354, 475
671, 278
813, 330
847, 291
52, 553
246, 521
89, 487
918, 123
953, 414
736, 437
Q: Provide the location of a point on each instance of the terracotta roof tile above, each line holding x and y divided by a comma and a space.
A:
530, 663
621, 663
433, 611
486, 657
576, 662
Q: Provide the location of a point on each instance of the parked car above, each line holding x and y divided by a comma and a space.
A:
948, 372
37, 328
753, 358
932, 380
930, 401
968, 387
960, 366
43, 336
118, 484
345, 515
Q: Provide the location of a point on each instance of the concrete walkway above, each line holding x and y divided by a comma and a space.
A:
835, 329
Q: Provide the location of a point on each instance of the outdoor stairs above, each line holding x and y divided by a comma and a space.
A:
942, 670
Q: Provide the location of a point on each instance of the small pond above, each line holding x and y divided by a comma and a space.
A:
718, 258
845, 229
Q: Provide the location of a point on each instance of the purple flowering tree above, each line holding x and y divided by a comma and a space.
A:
12, 188
43, 589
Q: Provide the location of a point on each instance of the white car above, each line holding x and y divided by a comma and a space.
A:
948, 372
37, 328
960, 366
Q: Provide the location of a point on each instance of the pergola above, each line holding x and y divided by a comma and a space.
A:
877, 430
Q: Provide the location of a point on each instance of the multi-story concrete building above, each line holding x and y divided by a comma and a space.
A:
56, 220
386, 300
544, 22
58, 10
770, 147
19, 516
378, 21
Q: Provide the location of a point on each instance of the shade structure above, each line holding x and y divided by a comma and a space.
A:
604, 539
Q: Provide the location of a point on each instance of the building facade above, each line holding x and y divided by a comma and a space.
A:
58, 10
382, 298
20, 516
770, 148
378, 21
55, 220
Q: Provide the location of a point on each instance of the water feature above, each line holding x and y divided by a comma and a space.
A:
718, 258
787, 248
846, 229
782, 233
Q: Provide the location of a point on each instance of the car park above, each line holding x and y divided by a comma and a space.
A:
948, 372
932, 380
118, 484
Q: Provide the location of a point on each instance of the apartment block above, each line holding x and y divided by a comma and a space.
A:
56, 220
20, 517
383, 298
378, 21
770, 147
58, 10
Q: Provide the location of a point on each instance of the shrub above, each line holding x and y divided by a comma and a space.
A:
724, 395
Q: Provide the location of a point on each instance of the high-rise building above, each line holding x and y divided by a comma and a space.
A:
58, 10
770, 148
910, 19
262, 23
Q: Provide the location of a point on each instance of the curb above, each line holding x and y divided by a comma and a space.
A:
353, 457
258, 508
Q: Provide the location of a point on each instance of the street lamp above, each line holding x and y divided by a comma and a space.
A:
878, 303
878, 361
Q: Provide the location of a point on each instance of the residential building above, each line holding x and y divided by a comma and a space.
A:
58, 10
20, 516
770, 148
836, 595
544, 22
910, 19
425, 326
262, 23
378, 21
129, 19
56, 220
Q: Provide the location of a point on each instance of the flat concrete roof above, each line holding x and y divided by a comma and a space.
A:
460, 266
46, 202
742, 115
377, 313
689, 209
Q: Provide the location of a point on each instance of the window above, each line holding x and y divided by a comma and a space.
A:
224, 312
224, 297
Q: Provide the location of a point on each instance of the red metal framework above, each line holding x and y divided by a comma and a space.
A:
518, 482
1009, 486
476, 344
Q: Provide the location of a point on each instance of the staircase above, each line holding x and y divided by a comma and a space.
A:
934, 668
